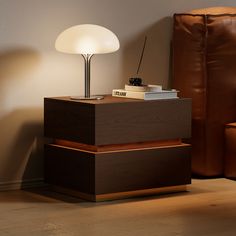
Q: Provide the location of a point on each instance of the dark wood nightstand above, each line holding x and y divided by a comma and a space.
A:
117, 147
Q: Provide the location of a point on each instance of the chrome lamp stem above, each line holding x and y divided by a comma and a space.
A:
87, 65
87, 62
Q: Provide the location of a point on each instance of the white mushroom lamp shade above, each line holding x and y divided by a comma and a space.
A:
87, 40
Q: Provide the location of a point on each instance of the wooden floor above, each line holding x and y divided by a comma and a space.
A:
208, 209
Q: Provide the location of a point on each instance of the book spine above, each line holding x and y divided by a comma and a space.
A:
144, 95
127, 94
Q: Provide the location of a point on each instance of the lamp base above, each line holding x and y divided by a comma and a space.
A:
86, 98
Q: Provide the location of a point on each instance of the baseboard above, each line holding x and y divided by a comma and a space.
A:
22, 184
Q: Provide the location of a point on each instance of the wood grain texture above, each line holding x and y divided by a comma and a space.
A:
117, 120
152, 168
107, 99
71, 169
69, 120
104, 173
142, 121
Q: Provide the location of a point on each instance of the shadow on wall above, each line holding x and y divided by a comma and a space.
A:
14, 65
156, 61
22, 144
21, 135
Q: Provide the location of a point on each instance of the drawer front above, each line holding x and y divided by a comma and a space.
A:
142, 121
143, 169
117, 123
69, 168
69, 120
120, 171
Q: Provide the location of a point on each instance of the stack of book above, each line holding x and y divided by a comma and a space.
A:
149, 92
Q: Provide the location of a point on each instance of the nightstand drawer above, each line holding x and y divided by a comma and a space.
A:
116, 120
99, 173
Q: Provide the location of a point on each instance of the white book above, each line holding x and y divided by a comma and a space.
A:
164, 94
144, 88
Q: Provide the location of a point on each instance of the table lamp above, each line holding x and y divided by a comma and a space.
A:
87, 40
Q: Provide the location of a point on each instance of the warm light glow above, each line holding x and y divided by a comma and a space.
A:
87, 39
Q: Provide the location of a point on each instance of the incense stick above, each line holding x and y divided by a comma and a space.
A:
141, 58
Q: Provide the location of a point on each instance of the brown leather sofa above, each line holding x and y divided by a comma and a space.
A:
204, 68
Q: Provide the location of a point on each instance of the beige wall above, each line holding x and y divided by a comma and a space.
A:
31, 69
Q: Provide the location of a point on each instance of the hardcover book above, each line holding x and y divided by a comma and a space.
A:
164, 94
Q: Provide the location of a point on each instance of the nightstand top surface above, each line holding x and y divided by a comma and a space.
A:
107, 99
